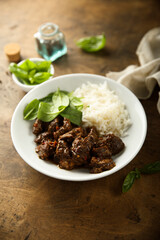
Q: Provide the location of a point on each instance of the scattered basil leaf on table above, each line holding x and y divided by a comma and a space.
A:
93, 43
151, 168
135, 174
129, 180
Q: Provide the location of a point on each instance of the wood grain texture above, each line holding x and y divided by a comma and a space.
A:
36, 207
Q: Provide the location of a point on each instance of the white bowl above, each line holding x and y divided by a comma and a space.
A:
23, 138
25, 87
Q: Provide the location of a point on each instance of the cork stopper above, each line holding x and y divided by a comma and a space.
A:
12, 51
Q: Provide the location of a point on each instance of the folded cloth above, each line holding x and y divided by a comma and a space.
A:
142, 79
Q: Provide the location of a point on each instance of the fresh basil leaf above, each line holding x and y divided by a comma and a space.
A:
60, 99
61, 108
25, 81
30, 111
76, 101
20, 73
72, 114
31, 74
28, 65
80, 108
43, 66
151, 168
47, 99
65, 92
128, 181
93, 43
70, 95
47, 112
41, 77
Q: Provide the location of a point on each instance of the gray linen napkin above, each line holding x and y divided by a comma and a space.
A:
142, 79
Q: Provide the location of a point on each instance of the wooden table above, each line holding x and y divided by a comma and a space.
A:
36, 207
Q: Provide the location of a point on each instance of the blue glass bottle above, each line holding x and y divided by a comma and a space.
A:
50, 42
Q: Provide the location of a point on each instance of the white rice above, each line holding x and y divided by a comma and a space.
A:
103, 109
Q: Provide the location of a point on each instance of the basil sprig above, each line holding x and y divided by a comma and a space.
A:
54, 104
135, 174
31, 73
92, 44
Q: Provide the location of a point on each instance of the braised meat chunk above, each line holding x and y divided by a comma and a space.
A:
79, 151
43, 137
45, 150
102, 152
62, 149
67, 126
70, 136
55, 124
81, 147
63, 153
98, 165
92, 137
114, 143
66, 164
39, 127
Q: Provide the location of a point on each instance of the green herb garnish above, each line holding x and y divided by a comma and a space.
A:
135, 174
31, 110
54, 104
92, 44
129, 180
73, 114
47, 112
60, 98
31, 73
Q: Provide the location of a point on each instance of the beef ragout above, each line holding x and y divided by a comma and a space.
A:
70, 146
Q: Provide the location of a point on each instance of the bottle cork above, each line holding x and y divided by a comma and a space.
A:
12, 51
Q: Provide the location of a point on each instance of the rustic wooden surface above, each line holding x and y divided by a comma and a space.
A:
36, 207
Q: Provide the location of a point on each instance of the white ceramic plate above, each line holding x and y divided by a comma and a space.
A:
23, 138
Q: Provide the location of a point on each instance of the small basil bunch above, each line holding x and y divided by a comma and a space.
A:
31, 73
57, 103
135, 174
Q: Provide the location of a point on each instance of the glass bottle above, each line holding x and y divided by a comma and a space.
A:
50, 42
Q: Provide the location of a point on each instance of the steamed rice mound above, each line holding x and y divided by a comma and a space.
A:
103, 109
